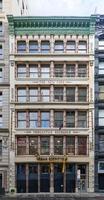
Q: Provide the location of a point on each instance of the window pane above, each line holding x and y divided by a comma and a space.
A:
101, 67
45, 46
1, 98
59, 46
70, 145
70, 119
101, 92
33, 146
82, 146
82, 94
45, 71
70, 70
21, 146
21, 119
33, 71
33, 46
82, 46
71, 46
21, 46
45, 119
1, 121
33, 94
101, 117
0, 147
44, 95
1, 75
44, 145
82, 119
82, 70
58, 94
21, 71
58, 70
58, 119
33, 119
58, 145
21, 94
70, 94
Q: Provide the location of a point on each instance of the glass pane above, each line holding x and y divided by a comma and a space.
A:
70, 94
82, 70
82, 94
58, 119
33, 145
58, 145
44, 95
70, 145
21, 146
82, 119
70, 70
70, 119
45, 72
44, 145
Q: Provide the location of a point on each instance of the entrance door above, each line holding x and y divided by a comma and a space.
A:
70, 178
83, 177
58, 178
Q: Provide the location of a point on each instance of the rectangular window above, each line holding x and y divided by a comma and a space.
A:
21, 119
44, 145
101, 92
70, 145
21, 94
58, 70
21, 71
33, 94
1, 51
21, 146
33, 47
45, 119
45, 71
1, 75
82, 47
101, 117
101, 67
101, 44
58, 119
82, 146
58, 145
101, 167
58, 94
82, 70
1, 27
82, 94
101, 143
70, 94
70, 119
45, 46
59, 46
44, 95
82, 119
70, 70
1, 4
33, 71
71, 46
33, 119
1, 121
1, 98
21, 46
0, 147
33, 145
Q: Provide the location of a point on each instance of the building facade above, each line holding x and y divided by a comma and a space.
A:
51, 104
99, 105
6, 7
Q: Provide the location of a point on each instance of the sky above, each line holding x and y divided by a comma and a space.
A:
66, 7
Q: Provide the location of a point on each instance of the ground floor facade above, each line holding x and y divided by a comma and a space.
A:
51, 178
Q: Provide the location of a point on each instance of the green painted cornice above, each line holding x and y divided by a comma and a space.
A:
51, 25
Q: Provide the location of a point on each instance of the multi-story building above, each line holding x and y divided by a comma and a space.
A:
99, 104
51, 104
6, 7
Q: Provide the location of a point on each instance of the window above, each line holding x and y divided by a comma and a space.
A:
101, 167
1, 98
21, 119
58, 119
33, 145
82, 94
101, 92
70, 119
45, 119
1, 75
82, 70
58, 94
21, 71
58, 70
1, 4
101, 67
33, 119
71, 46
70, 70
45, 46
1, 121
59, 46
101, 117
82, 119
0, 147
82, 146
1, 27
33, 71
1, 51
33, 94
101, 143
58, 145
44, 145
21, 146
101, 42
82, 46
21, 94
44, 95
45, 71
70, 145
33, 46
21, 46
70, 94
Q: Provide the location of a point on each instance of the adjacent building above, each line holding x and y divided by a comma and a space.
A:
51, 104
15, 7
99, 104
